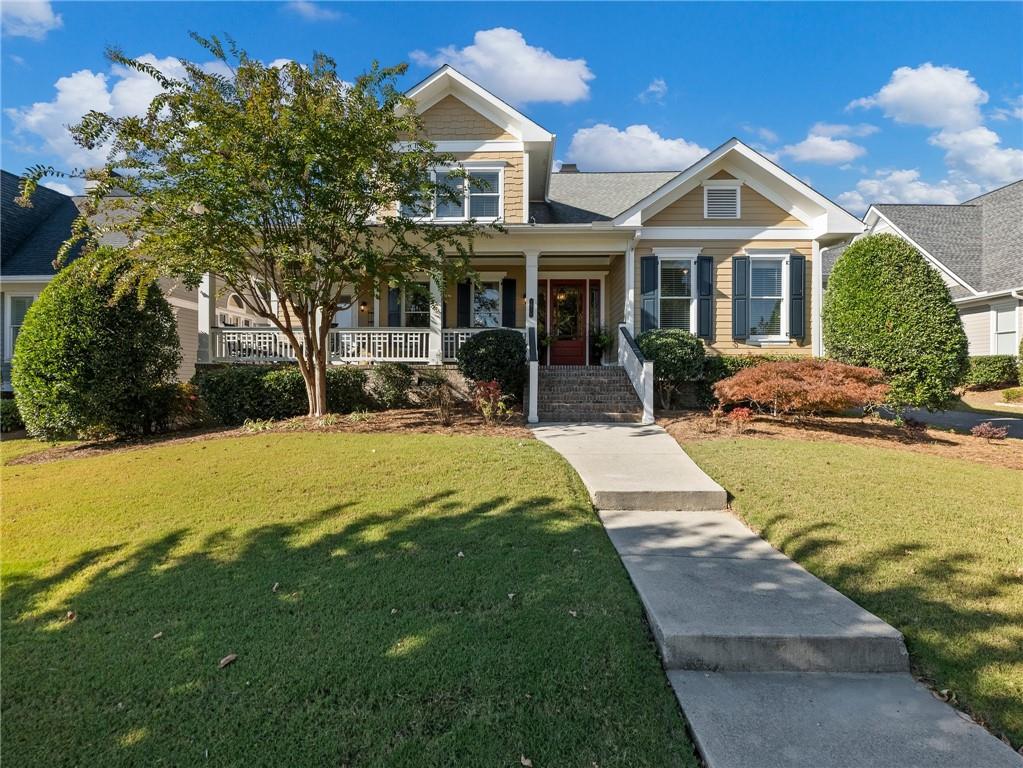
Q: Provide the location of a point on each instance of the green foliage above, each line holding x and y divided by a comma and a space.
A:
10, 419
498, 355
992, 372
1013, 395
273, 178
887, 308
235, 394
89, 364
391, 384
677, 356
1019, 361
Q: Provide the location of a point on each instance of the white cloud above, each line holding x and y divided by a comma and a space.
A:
1014, 111
840, 130
637, 148
57, 186
823, 144
28, 19
500, 60
765, 134
656, 91
937, 97
906, 186
978, 154
311, 11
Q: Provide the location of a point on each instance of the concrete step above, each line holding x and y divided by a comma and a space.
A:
793, 720
720, 598
632, 466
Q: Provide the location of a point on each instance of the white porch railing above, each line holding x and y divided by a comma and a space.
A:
344, 345
639, 369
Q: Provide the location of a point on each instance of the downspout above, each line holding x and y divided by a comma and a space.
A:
817, 299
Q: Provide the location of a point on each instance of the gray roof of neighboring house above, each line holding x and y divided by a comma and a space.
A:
582, 198
31, 237
980, 240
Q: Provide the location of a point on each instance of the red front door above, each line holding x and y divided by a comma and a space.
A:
568, 322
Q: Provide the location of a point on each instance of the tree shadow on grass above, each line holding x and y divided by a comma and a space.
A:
944, 604
435, 634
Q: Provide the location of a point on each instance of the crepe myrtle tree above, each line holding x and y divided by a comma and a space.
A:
284, 182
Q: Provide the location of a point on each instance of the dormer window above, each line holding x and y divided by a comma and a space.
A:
479, 196
721, 199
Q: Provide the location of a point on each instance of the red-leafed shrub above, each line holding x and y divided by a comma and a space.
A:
989, 431
490, 401
804, 387
740, 417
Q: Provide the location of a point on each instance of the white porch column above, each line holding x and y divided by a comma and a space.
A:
207, 317
532, 311
436, 323
630, 286
376, 305
816, 300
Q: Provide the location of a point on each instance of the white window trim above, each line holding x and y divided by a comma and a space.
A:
470, 166
8, 329
993, 325
735, 184
783, 337
679, 254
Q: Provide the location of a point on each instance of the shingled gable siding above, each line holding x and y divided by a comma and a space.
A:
451, 119
513, 164
755, 209
722, 251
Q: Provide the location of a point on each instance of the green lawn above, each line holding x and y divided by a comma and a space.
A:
392, 600
932, 545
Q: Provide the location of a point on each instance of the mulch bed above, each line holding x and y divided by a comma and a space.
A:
413, 421
691, 427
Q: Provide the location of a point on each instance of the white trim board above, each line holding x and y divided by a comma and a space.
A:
726, 233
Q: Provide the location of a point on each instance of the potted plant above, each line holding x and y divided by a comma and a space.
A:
600, 342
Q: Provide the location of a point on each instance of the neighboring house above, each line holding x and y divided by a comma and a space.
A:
977, 248
29, 241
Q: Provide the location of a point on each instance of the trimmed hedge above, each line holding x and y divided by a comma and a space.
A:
234, 393
87, 365
391, 384
10, 419
678, 358
498, 355
887, 308
992, 372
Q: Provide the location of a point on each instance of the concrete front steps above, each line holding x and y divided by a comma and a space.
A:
592, 393
771, 666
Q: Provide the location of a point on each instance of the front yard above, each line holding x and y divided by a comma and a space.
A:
929, 543
390, 599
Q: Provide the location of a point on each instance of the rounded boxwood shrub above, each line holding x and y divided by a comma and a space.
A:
677, 356
87, 365
887, 308
992, 372
233, 394
10, 419
498, 355
391, 384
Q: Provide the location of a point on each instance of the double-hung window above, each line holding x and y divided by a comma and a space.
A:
451, 204
484, 194
417, 306
17, 307
676, 293
486, 305
768, 304
476, 195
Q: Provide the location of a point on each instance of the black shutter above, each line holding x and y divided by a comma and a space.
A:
705, 297
740, 297
797, 296
508, 302
463, 298
394, 307
648, 293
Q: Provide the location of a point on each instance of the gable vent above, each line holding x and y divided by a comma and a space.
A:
721, 202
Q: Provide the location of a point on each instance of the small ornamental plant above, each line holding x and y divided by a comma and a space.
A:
740, 418
988, 431
490, 402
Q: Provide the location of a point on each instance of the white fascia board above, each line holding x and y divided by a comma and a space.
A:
939, 265
726, 233
987, 296
25, 278
468, 146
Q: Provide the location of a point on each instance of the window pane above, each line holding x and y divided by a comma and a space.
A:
675, 313
676, 279
483, 206
765, 317
446, 209
484, 181
418, 313
486, 306
19, 306
765, 278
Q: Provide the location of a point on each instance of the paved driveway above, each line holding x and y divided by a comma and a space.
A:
963, 421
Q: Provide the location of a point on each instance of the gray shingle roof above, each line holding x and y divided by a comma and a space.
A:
31, 237
980, 240
582, 198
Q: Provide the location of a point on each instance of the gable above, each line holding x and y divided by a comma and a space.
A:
755, 211
453, 119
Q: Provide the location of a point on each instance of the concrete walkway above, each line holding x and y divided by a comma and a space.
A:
772, 667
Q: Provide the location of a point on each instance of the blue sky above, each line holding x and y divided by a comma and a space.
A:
912, 102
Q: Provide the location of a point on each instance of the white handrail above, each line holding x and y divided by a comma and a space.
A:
639, 370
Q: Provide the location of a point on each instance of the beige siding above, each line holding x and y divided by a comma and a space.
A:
513, 164
756, 210
723, 251
188, 336
450, 119
615, 301
977, 324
